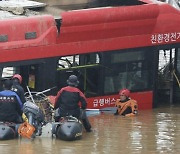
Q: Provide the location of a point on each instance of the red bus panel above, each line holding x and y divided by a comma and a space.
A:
144, 99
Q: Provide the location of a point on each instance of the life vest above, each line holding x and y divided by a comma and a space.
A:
122, 107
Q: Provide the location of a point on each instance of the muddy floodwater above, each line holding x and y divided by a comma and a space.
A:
152, 131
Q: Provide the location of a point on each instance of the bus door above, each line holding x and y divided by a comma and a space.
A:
86, 67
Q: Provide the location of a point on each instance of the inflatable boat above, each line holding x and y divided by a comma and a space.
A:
68, 128
8, 130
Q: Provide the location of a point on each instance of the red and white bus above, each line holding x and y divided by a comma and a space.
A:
108, 48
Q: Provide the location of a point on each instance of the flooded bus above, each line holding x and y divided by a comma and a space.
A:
108, 48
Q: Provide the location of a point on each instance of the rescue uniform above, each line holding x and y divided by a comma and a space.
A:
16, 87
10, 107
128, 107
68, 101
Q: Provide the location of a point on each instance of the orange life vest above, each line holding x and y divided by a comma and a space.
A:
122, 107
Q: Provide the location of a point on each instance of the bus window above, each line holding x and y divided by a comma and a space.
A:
5, 72
35, 74
127, 70
68, 61
8, 72
137, 76
24, 71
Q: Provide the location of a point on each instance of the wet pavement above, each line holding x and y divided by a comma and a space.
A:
152, 131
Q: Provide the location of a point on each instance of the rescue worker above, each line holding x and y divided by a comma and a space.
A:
126, 106
17, 88
10, 104
67, 102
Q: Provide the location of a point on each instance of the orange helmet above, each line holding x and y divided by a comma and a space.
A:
19, 77
125, 92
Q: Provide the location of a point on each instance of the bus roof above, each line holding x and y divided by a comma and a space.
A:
89, 30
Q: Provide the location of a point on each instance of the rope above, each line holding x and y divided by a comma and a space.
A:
176, 78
